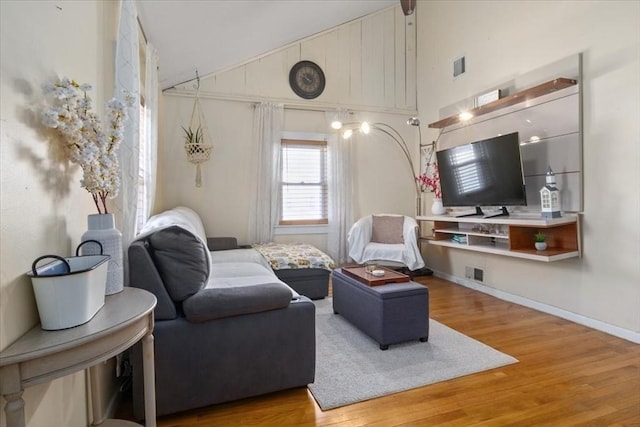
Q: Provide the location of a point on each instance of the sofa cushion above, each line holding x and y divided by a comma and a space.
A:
216, 303
144, 274
181, 259
387, 229
193, 232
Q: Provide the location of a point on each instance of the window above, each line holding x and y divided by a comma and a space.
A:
303, 188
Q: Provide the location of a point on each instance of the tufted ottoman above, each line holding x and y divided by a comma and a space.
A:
389, 313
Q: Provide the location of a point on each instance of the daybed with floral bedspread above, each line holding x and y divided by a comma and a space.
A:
302, 266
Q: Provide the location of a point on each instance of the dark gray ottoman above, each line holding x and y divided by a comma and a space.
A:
310, 282
387, 313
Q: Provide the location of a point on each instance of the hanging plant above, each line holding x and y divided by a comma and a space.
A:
195, 140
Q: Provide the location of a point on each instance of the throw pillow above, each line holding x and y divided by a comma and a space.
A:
182, 261
387, 229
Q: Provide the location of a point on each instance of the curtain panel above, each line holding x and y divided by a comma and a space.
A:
340, 198
268, 120
127, 78
150, 142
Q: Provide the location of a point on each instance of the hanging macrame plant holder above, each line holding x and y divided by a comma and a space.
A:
197, 140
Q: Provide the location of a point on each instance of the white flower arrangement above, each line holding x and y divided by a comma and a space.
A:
86, 143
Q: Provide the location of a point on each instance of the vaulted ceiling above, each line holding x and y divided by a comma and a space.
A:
211, 35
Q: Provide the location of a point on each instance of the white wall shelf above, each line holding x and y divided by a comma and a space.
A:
508, 236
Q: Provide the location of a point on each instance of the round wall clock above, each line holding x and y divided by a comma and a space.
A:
307, 79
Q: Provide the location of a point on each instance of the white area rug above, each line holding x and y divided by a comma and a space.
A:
350, 367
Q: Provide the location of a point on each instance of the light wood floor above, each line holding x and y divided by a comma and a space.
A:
567, 375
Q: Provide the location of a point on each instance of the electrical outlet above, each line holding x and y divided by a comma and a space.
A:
468, 272
478, 274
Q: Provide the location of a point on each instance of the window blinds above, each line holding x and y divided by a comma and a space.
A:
304, 182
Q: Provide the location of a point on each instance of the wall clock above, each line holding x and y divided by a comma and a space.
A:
307, 79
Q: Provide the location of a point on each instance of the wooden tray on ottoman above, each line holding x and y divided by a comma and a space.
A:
361, 275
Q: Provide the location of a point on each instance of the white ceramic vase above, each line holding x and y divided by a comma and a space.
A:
101, 227
437, 208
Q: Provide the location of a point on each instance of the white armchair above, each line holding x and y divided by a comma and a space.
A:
386, 239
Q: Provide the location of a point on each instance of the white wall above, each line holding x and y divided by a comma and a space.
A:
504, 39
364, 62
43, 209
382, 178
383, 181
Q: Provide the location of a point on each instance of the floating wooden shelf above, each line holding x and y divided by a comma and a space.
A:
525, 95
509, 236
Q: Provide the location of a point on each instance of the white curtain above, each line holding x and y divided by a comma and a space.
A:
267, 130
340, 198
150, 148
127, 79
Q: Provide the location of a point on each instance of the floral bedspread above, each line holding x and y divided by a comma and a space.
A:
283, 256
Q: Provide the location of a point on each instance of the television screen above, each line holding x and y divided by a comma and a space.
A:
483, 173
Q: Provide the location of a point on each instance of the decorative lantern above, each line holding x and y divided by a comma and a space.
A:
550, 197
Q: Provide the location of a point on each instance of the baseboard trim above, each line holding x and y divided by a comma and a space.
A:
545, 308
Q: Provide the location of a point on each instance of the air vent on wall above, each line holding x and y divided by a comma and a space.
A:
458, 66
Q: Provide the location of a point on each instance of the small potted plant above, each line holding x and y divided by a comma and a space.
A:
192, 139
541, 243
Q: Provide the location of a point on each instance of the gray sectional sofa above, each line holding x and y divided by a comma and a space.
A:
226, 327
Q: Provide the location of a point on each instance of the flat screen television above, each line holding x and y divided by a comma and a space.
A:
483, 173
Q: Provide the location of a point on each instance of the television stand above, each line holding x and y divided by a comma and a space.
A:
503, 212
478, 212
512, 236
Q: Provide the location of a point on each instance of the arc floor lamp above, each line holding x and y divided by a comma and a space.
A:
349, 129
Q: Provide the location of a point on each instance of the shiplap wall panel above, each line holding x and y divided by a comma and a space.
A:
231, 81
252, 77
333, 57
389, 38
355, 63
364, 62
272, 65
372, 83
410, 76
292, 56
315, 49
342, 65
400, 63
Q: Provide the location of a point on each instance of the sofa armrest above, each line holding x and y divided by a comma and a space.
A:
216, 303
222, 243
